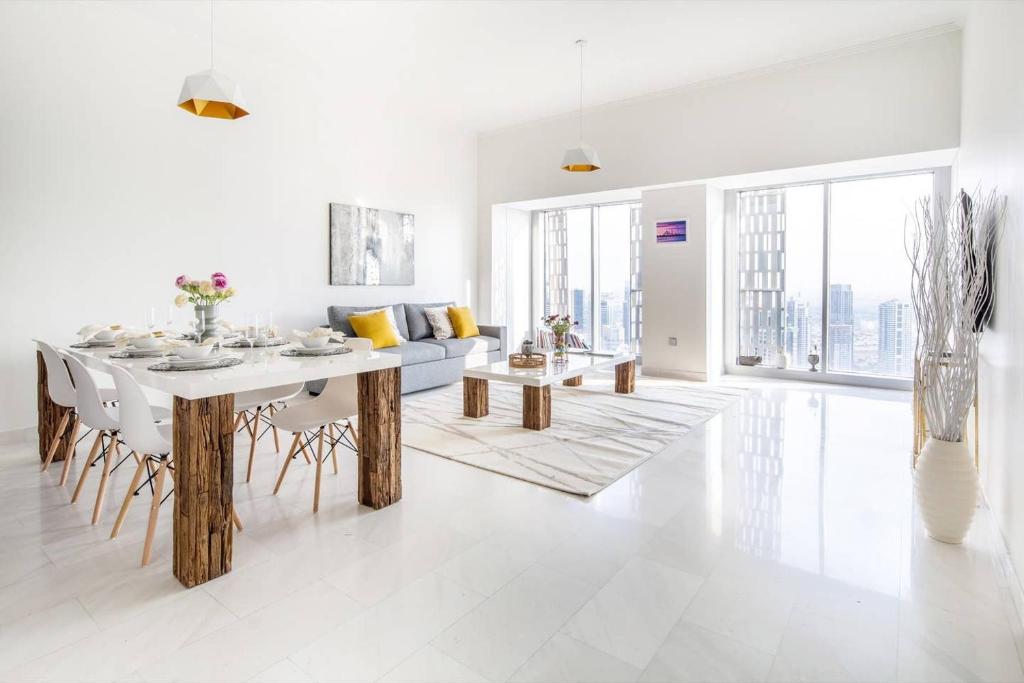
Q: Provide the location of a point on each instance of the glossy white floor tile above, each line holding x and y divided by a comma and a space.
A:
776, 542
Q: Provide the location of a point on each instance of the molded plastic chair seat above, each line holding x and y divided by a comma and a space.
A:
249, 400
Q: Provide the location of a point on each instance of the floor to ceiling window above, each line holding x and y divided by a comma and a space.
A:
820, 269
592, 272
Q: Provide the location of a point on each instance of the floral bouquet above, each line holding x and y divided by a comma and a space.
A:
560, 325
203, 292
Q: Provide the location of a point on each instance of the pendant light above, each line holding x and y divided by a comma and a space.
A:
210, 93
581, 159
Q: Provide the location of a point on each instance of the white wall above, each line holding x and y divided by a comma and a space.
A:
108, 191
898, 99
992, 153
680, 287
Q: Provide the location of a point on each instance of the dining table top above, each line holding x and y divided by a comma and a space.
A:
261, 368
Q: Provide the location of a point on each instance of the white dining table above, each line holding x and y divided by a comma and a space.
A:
203, 441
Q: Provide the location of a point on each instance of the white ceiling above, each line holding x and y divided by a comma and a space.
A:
486, 65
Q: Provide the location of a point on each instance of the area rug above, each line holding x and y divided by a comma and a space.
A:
596, 436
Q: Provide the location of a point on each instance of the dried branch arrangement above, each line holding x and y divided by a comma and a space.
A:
951, 248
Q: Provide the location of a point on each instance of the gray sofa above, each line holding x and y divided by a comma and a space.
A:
429, 362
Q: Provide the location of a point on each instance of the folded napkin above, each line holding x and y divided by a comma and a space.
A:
90, 331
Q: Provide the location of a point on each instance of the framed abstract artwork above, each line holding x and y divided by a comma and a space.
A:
670, 231
371, 246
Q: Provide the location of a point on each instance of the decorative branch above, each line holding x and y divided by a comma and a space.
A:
949, 248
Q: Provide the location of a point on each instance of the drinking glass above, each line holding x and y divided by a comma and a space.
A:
169, 321
151, 318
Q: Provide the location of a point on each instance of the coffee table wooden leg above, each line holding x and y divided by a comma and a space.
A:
203, 477
52, 422
573, 381
625, 377
475, 399
380, 437
536, 407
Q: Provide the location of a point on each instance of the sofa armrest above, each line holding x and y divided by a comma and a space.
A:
499, 331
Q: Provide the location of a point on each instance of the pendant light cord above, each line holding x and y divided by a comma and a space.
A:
211, 35
581, 43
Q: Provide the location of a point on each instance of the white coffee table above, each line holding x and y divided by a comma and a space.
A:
537, 383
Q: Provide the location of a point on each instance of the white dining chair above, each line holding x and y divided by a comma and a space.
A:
254, 410
62, 392
319, 418
153, 442
95, 415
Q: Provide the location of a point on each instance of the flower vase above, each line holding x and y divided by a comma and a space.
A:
946, 484
206, 320
561, 348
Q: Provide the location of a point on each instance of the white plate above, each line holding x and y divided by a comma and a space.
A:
186, 362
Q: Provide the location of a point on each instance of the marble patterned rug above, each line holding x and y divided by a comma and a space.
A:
596, 436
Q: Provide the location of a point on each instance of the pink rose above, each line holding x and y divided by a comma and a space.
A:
220, 282
180, 281
219, 274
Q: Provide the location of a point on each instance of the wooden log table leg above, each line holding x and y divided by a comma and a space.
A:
380, 437
52, 418
536, 407
475, 397
203, 477
573, 381
625, 377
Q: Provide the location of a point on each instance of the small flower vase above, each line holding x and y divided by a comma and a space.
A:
561, 348
206, 320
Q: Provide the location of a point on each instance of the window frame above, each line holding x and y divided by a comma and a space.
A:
636, 292
941, 187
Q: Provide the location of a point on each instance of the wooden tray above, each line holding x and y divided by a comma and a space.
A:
537, 361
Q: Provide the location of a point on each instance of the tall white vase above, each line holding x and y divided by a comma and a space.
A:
946, 487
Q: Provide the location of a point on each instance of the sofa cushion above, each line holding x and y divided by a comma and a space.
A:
413, 353
337, 316
418, 325
457, 348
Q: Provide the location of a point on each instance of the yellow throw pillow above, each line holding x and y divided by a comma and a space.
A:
376, 327
463, 322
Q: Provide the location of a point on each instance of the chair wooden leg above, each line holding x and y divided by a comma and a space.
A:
355, 435
252, 445
238, 420
236, 519
287, 461
154, 512
88, 466
55, 441
128, 498
307, 453
70, 453
101, 491
277, 443
319, 467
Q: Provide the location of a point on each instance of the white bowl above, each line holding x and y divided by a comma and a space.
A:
315, 342
104, 335
147, 342
193, 352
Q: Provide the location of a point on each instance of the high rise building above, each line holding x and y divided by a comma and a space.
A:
840, 328
896, 338
581, 313
797, 332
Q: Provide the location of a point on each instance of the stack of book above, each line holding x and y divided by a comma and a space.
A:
546, 341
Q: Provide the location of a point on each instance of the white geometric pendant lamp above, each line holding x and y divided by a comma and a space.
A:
210, 93
582, 158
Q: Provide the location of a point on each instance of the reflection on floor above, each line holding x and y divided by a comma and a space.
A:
776, 542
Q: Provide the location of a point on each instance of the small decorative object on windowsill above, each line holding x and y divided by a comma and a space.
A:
560, 326
748, 361
782, 358
814, 358
205, 296
950, 248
